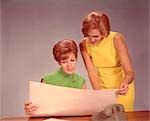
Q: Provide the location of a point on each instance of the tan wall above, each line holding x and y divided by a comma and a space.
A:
33, 26
0, 60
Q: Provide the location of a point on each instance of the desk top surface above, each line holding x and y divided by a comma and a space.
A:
132, 116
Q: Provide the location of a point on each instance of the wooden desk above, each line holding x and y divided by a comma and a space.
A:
132, 116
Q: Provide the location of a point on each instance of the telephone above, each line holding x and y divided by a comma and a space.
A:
114, 112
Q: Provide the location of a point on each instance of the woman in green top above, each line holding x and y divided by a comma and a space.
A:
65, 53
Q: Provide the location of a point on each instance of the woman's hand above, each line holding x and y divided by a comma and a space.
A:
124, 87
29, 108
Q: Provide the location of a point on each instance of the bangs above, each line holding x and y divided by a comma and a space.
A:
64, 57
96, 22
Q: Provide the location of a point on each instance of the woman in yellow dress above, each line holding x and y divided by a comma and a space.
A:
106, 58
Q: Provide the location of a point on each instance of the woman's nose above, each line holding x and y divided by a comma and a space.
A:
68, 64
92, 40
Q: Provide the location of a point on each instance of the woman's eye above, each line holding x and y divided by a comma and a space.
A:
72, 60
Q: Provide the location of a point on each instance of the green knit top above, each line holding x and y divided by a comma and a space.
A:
59, 78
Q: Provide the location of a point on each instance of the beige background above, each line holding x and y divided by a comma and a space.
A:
29, 28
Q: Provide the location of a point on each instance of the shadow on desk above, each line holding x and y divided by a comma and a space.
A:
132, 116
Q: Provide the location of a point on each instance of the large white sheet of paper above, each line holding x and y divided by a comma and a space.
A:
63, 101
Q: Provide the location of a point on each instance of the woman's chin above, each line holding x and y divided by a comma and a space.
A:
69, 72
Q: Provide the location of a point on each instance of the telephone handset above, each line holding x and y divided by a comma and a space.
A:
114, 112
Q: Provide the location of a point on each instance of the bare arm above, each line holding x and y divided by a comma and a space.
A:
92, 73
124, 59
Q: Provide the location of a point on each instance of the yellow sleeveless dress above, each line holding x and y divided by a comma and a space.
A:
110, 71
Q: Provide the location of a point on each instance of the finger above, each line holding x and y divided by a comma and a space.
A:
29, 107
123, 87
123, 91
27, 103
30, 111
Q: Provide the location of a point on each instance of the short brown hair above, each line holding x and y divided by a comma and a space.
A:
96, 20
64, 47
